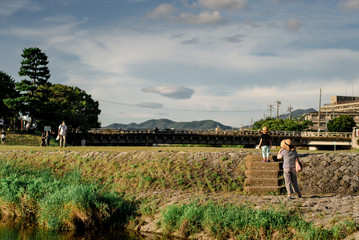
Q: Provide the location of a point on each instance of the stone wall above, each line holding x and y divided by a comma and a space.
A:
330, 173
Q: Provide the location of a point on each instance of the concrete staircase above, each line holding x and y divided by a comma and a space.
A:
263, 177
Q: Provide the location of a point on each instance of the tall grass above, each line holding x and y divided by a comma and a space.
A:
223, 221
66, 202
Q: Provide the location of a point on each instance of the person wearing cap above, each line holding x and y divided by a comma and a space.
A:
289, 155
265, 144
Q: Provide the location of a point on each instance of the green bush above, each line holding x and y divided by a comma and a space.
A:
344, 123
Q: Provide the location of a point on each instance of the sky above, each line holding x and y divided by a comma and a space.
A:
190, 60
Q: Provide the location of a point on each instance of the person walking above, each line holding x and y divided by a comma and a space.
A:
2, 123
289, 155
62, 134
3, 136
47, 138
265, 144
43, 139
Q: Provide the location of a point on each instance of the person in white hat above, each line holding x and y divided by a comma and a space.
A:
265, 144
289, 155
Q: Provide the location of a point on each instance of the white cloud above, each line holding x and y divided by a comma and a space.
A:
150, 105
203, 18
235, 38
349, 5
173, 92
293, 25
163, 10
114, 63
223, 4
9, 7
166, 11
191, 41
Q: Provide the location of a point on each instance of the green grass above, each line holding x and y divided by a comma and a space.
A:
223, 221
136, 174
54, 202
20, 138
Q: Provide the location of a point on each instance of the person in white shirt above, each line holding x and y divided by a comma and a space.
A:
3, 136
2, 122
62, 134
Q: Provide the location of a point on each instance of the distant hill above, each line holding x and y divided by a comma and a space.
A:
168, 124
297, 113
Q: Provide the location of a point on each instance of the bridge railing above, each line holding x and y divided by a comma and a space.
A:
231, 132
327, 134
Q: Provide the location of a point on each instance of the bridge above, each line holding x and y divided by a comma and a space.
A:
112, 137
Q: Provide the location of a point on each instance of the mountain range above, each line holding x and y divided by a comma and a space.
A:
297, 113
168, 124
205, 124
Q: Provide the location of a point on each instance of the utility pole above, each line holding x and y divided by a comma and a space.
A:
290, 112
270, 110
320, 104
278, 104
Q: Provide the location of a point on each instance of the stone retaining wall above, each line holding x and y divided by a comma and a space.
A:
330, 173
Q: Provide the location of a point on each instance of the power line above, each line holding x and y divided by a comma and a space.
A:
182, 110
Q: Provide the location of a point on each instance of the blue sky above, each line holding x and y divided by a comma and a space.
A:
185, 60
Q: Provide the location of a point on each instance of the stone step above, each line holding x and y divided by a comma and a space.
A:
263, 174
268, 182
264, 166
258, 158
261, 190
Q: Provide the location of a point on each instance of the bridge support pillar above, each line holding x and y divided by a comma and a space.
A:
313, 148
355, 137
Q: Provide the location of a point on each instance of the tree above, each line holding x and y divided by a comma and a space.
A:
344, 123
31, 100
7, 90
74, 106
49, 104
34, 65
283, 124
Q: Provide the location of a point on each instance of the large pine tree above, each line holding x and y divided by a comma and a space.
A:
48, 104
34, 66
34, 69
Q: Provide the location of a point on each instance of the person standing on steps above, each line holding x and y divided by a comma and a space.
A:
289, 156
62, 134
265, 144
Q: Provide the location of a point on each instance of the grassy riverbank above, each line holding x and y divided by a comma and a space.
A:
223, 221
180, 191
54, 202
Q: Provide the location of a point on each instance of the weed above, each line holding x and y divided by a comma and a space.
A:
224, 221
59, 202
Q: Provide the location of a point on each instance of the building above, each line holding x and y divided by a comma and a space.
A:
339, 105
